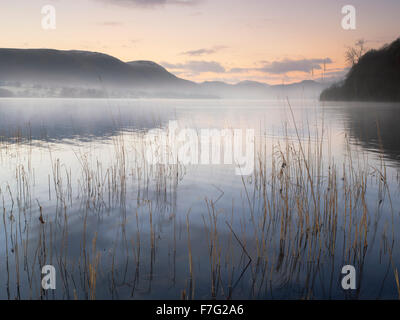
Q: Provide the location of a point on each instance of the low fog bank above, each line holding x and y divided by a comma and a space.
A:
200, 91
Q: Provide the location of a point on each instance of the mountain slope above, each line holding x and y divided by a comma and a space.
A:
5, 93
77, 68
376, 77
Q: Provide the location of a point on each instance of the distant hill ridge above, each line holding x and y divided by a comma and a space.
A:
77, 73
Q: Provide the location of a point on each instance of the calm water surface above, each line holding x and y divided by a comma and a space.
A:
76, 193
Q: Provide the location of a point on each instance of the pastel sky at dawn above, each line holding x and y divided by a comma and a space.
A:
270, 41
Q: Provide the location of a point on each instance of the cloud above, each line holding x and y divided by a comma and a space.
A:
278, 68
288, 65
285, 66
111, 24
150, 3
336, 74
196, 67
203, 51
241, 70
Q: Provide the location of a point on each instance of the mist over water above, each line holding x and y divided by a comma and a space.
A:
116, 227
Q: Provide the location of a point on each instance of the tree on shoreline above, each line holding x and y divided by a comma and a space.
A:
375, 76
353, 54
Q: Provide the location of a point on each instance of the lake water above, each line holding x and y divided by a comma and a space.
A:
78, 193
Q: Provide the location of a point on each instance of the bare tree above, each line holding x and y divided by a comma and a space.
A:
353, 54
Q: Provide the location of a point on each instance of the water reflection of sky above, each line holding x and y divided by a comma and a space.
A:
69, 131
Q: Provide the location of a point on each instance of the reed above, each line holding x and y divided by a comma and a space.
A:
299, 217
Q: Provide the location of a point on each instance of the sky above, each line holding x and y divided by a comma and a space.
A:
271, 41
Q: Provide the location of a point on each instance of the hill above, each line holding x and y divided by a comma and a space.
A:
5, 93
376, 77
91, 69
84, 74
